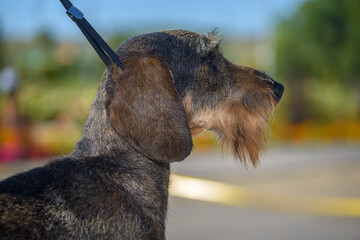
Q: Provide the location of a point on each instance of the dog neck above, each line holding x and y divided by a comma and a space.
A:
100, 139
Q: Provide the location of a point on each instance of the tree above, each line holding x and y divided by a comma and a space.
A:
319, 43
2, 55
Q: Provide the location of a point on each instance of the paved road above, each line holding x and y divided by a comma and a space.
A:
332, 171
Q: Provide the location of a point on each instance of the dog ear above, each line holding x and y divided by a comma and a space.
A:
147, 111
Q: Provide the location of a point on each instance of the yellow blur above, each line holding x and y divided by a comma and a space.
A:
222, 193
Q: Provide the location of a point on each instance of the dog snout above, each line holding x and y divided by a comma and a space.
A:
278, 89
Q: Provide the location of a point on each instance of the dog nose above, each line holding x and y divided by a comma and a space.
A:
278, 90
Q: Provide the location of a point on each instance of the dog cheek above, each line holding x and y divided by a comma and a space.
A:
196, 131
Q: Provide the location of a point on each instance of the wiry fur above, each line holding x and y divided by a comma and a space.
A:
241, 116
114, 185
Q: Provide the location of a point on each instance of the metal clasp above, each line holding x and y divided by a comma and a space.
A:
74, 12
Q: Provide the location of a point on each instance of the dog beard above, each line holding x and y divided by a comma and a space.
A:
243, 127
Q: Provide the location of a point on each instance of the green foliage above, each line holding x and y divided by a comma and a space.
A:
322, 40
320, 44
2, 57
48, 101
56, 78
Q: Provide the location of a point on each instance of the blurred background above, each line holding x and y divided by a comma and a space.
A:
49, 75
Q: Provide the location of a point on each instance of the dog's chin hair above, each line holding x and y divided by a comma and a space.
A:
245, 143
245, 135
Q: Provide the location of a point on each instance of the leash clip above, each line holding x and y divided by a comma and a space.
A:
73, 12
107, 55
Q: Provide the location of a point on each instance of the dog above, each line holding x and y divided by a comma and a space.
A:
114, 185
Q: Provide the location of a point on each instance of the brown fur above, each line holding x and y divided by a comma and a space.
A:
241, 120
115, 183
146, 110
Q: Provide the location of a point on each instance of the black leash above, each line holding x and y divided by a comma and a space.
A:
105, 52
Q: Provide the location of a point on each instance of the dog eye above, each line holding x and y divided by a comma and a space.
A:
211, 61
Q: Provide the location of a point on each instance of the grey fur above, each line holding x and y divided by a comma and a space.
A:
112, 186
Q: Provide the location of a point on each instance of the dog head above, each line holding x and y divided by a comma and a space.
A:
177, 84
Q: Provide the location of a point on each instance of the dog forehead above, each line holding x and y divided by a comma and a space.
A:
172, 42
183, 51
202, 43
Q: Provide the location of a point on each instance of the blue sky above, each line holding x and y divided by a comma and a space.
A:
242, 18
